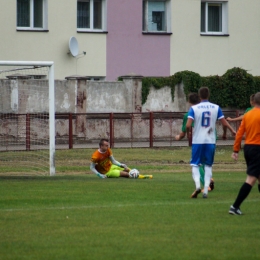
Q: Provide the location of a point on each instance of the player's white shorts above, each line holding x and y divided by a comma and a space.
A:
202, 154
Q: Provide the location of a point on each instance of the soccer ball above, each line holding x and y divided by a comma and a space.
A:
134, 173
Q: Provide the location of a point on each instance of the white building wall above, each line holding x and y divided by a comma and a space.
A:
53, 45
206, 55
214, 55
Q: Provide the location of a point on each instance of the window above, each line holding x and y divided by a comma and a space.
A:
90, 15
214, 18
156, 16
32, 14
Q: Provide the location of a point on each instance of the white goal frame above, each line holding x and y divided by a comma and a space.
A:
49, 64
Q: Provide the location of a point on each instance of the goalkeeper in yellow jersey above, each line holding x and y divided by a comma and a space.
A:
104, 165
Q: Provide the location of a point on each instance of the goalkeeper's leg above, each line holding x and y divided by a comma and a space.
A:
145, 176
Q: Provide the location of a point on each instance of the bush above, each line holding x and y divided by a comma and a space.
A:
239, 85
233, 89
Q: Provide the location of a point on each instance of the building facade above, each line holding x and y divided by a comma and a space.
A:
142, 37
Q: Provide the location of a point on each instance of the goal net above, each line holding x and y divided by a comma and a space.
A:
27, 118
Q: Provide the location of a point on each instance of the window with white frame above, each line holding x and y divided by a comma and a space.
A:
91, 15
214, 17
32, 14
156, 16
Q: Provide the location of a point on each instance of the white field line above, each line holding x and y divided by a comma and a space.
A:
194, 202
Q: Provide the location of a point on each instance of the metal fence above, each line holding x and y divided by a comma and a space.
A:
84, 130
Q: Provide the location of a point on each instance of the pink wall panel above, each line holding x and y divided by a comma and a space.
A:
128, 50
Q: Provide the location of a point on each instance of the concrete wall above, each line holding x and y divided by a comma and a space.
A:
83, 96
161, 100
98, 99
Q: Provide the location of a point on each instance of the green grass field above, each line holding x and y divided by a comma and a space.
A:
76, 215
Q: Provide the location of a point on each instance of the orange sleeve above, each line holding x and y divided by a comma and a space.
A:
239, 136
250, 126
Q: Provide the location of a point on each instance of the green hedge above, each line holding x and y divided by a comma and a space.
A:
233, 89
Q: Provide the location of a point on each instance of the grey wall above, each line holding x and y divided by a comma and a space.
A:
77, 95
20, 96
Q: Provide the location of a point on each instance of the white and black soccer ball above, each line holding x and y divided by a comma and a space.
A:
134, 173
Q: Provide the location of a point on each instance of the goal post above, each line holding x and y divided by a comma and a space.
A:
14, 70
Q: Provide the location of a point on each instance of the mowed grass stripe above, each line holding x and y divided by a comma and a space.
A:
138, 204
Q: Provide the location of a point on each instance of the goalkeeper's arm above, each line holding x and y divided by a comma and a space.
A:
114, 161
93, 169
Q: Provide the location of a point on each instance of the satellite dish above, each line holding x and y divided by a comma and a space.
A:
73, 46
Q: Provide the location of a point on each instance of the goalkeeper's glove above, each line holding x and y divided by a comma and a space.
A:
123, 166
103, 176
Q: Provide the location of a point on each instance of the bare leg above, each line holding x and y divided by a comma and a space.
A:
124, 174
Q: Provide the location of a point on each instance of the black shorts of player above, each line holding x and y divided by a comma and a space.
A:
252, 157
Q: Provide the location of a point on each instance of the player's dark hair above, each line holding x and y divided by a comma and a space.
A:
193, 98
101, 142
204, 92
252, 97
257, 98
